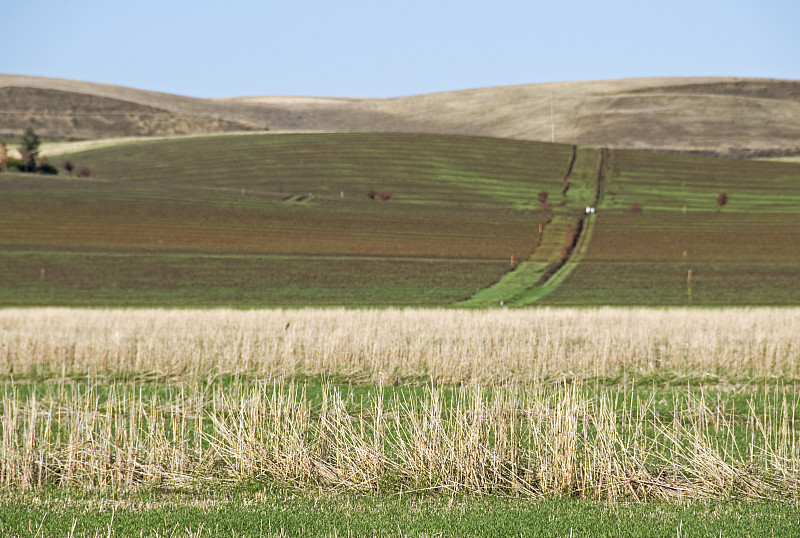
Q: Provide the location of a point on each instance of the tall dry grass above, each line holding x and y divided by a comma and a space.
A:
517, 441
531, 417
442, 346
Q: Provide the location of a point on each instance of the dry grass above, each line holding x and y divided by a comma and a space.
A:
122, 399
439, 346
711, 114
517, 441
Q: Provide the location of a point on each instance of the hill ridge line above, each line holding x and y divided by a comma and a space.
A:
713, 115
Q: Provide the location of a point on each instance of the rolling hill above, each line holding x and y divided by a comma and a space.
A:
421, 200
382, 219
727, 116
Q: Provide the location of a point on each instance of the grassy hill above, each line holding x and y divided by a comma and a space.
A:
730, 116
265, 220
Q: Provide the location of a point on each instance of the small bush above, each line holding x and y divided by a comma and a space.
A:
48, 169
384, 196
635, 209
84, 172
371, 194
722, 199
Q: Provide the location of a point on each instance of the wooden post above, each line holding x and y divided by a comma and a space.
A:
41, 274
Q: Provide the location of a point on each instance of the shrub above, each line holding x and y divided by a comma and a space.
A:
29, 149
83, 172
384, 196
47, 168
722, 199
371, 194
635, 208
543, 197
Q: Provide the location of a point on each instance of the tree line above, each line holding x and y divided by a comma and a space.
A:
31, 159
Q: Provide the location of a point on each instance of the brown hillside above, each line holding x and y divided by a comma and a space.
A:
720, 115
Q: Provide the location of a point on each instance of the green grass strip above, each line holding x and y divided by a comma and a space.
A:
258, 511
535, 293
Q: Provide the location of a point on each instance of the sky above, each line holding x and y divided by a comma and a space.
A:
374, 48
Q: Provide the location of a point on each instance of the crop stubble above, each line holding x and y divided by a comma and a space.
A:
131, 398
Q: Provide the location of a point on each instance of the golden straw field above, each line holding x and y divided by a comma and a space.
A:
488, 347
606, 403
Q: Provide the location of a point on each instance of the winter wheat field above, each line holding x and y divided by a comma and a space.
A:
398, 422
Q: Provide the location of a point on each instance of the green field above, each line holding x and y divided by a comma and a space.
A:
744, 253
285, 220
276, 512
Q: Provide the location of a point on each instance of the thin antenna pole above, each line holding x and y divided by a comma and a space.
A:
552, 122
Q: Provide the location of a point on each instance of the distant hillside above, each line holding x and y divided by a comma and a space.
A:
734, 116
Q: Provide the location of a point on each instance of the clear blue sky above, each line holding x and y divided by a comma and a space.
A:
375, 48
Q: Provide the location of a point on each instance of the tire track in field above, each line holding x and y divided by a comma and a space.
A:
515, 287
555, 272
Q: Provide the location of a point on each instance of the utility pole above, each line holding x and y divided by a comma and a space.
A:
552, 121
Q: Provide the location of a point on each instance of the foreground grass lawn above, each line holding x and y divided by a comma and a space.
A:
254, 510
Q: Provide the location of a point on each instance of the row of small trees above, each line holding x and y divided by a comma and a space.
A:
635, 207
31, 160
722, 199
382, 196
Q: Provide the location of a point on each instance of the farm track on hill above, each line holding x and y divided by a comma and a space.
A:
659, 238
557, 237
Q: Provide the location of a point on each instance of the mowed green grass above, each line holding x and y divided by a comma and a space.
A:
265, 220
269, 511
684, 250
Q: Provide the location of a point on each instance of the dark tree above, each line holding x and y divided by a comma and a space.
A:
722, 199
29, 149
69, 167
45, 167
371, 194
543, 197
